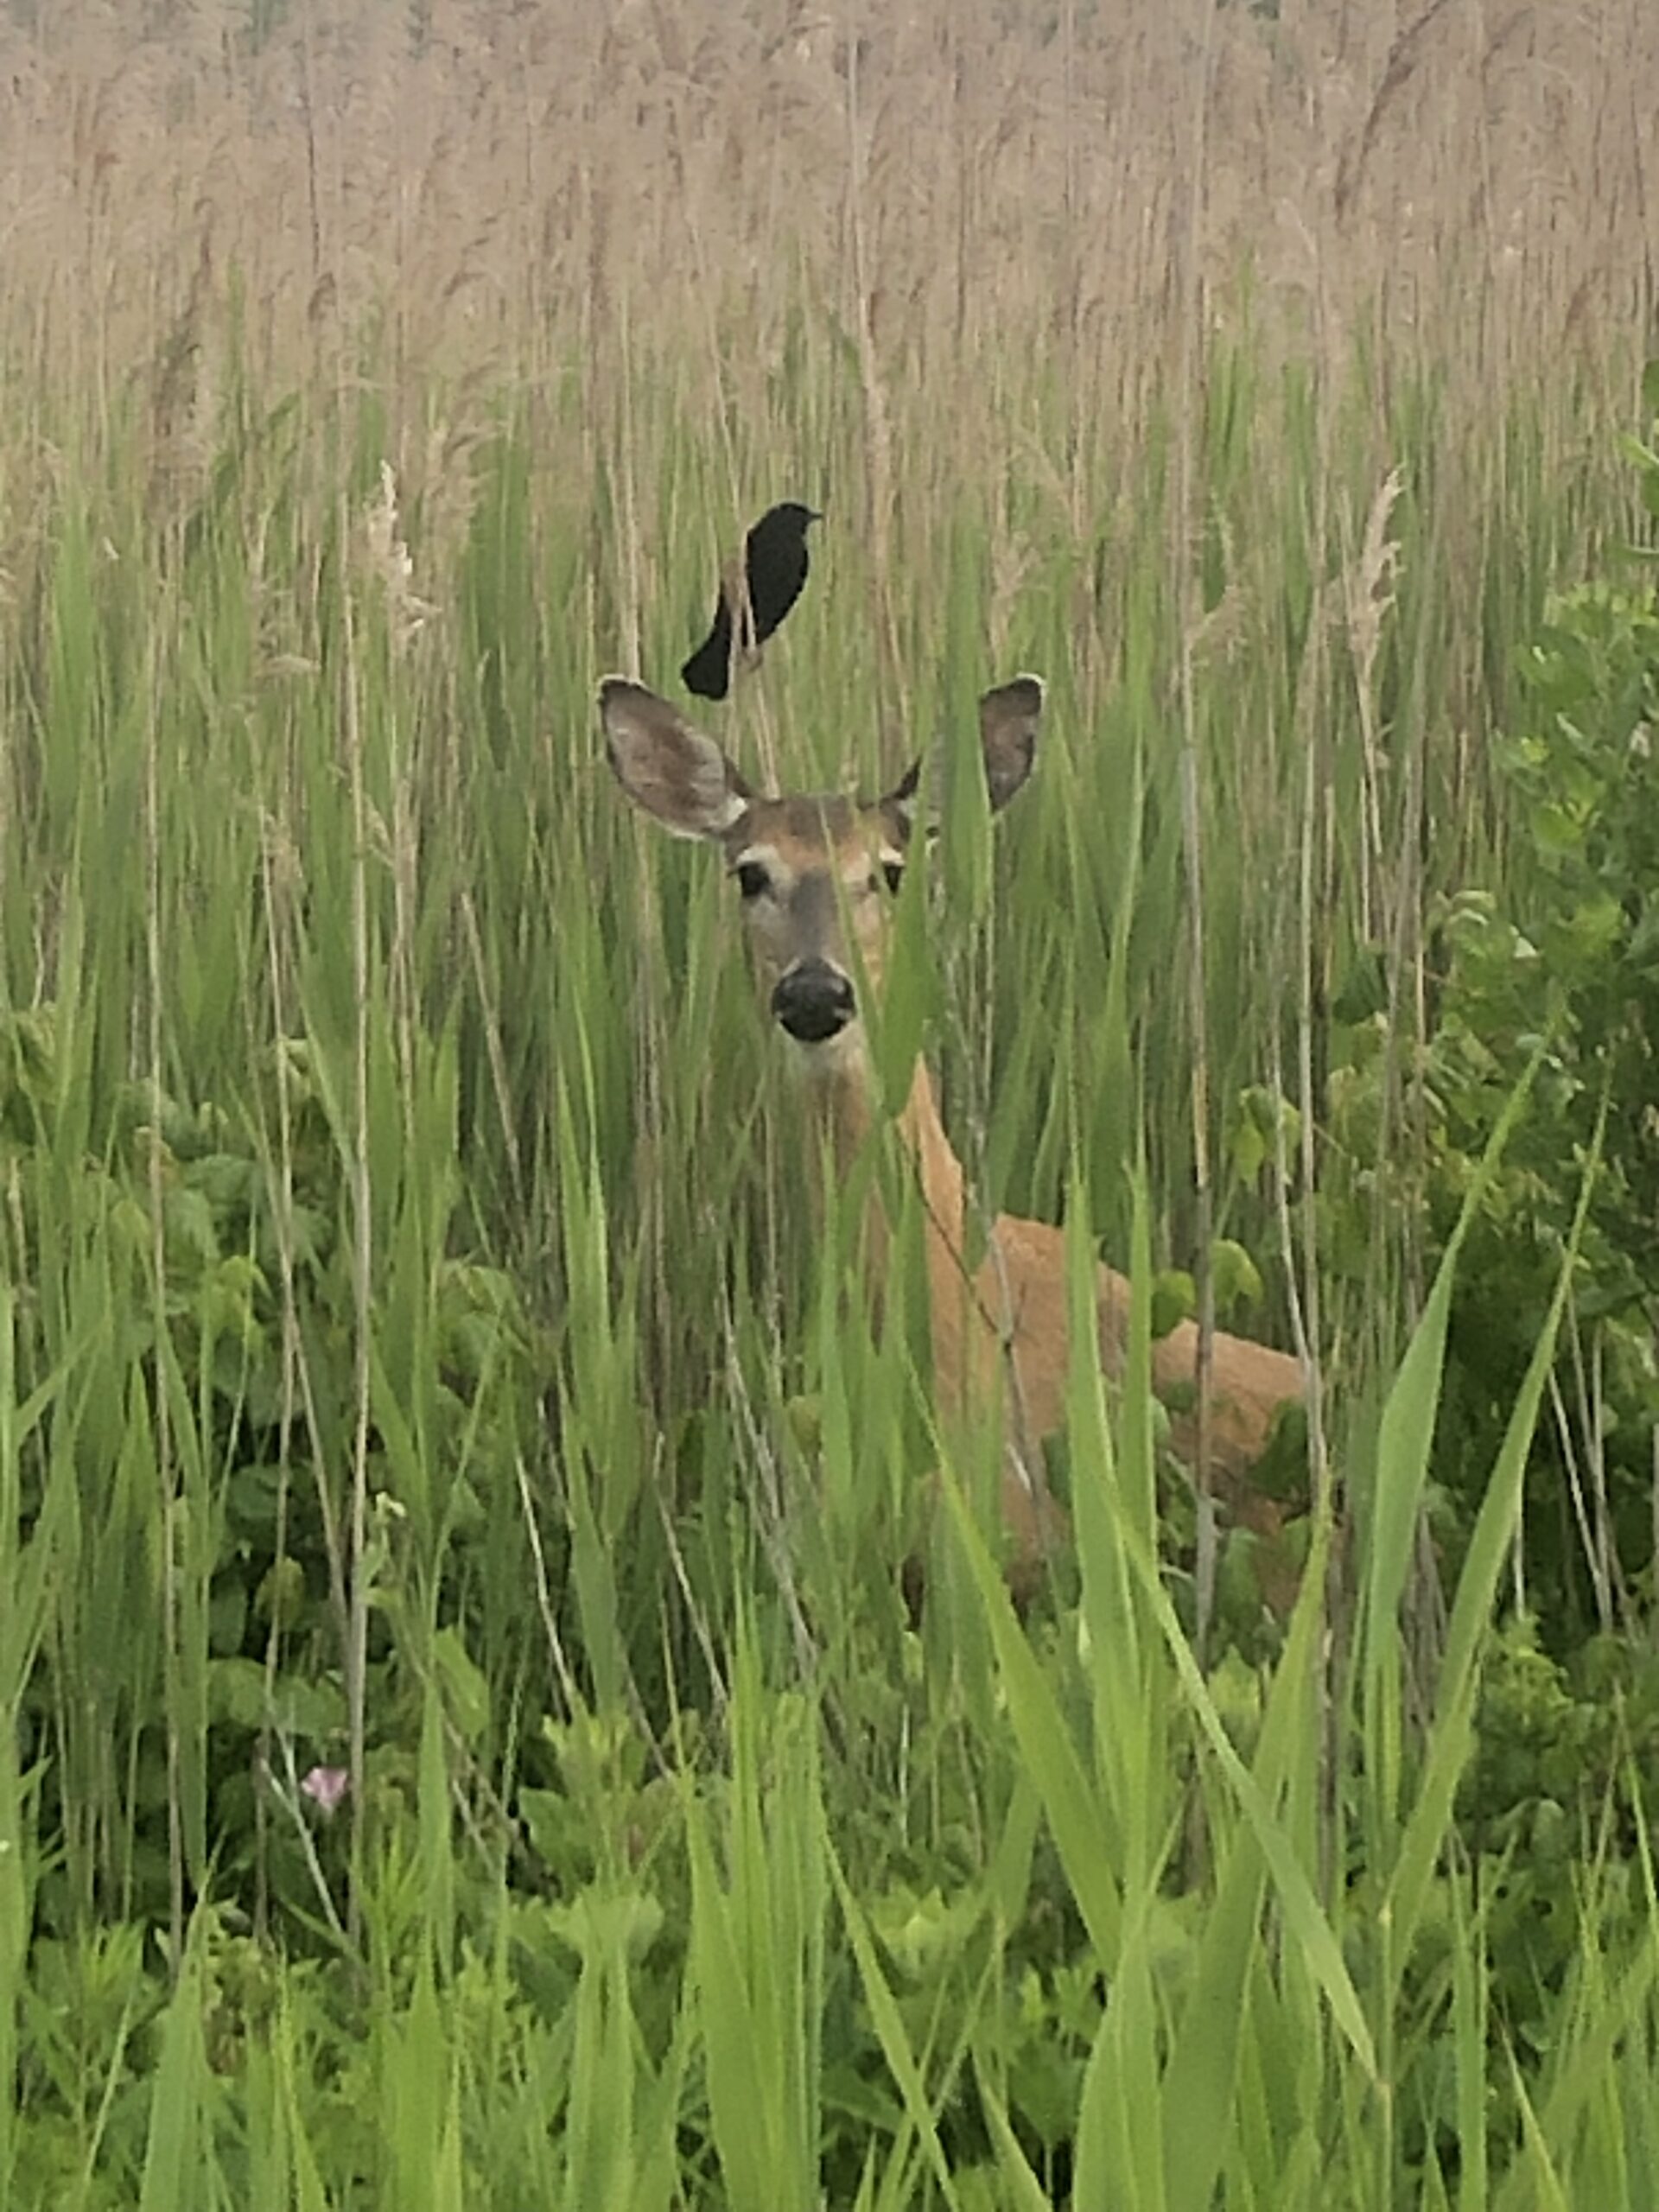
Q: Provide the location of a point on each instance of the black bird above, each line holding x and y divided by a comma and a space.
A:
770, 580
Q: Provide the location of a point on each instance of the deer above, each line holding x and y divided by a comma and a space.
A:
817, 876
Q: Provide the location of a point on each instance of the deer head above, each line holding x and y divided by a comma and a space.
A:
816, 875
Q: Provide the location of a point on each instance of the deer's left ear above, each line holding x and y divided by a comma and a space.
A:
1009, 719
665, 765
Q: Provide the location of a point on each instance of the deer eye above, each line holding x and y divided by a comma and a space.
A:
895, 872
752, 879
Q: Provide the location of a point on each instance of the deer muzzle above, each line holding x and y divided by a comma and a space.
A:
813, 1002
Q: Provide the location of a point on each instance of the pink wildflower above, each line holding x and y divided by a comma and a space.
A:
326, 1786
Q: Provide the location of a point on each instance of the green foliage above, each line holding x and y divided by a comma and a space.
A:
1561, 966
203, 1255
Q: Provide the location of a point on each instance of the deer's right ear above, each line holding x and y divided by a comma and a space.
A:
673, 771
1009, 719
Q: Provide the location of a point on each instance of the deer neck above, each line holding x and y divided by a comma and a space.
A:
847, 1110
938, 1167
971, 1319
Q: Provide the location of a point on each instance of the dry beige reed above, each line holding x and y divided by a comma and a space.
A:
503, 189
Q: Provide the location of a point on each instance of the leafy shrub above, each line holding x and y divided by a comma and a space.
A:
1563, 966
261, 1433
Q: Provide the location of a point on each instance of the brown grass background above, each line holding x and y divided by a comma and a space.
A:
502, 187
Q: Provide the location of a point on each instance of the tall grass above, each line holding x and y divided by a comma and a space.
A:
415, 1360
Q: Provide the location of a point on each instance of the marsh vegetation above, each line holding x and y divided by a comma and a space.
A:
465, 1742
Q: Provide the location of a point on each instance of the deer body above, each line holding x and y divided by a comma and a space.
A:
815, 875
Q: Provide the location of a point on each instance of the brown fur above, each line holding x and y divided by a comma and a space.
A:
1006, 1327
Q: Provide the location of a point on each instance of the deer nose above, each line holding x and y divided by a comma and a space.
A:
814, 1002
